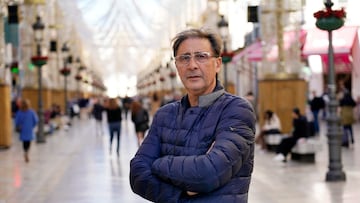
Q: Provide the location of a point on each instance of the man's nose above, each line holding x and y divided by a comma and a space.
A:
193, 63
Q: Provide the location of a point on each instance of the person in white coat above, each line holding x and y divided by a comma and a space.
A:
272, 125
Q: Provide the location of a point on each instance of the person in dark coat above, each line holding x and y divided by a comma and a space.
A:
113, 112
300, 129
201, 148
140, 118
97, 112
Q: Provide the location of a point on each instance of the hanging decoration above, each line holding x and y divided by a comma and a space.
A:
39, 60
227, 56
78, 77
329, 19
172, 74
65, 71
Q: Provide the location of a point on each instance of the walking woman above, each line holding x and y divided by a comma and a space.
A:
140, 118
25, 122
113, 112
347, 105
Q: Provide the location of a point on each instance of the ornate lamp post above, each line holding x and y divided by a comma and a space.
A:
65, 71
223, 26
330, 20
172, 75
39, 61
78, 79
78, 76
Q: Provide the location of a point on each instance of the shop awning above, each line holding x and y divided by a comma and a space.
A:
317, 41
254, 52
249, 52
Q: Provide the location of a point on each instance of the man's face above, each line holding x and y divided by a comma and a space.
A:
197, 66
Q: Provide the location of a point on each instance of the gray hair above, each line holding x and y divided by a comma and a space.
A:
214, 39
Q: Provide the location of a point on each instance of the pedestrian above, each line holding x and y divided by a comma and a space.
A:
140, 118
15, 105
316, 104
97, 112
200, 148
300, 129
347, 105
126, 104
25, 122
113, 112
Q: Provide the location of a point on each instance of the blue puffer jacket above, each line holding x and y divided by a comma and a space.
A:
175, 156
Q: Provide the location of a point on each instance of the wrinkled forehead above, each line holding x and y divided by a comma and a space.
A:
194, 45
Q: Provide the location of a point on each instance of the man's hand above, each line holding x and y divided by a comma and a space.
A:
191, 193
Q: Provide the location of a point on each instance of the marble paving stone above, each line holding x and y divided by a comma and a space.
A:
76, 166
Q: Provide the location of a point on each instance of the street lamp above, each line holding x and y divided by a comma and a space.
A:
78, 76
65, 71
330, 20
223, 26
39, 61
172, 75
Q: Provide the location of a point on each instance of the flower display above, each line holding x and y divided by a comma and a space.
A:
78, 77
328, 12
65, 71
172, 74
39, 60
227, 56
329, 19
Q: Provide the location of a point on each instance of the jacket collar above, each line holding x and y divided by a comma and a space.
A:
208, 99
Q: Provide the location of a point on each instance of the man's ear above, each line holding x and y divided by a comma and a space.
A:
218, 63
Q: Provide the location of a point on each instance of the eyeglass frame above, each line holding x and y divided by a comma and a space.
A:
193, 55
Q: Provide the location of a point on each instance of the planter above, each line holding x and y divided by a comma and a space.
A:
172, 74
39, 60
329, 23
65, 71
78, 77
227, 57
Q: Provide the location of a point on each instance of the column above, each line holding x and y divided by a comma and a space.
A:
6, 128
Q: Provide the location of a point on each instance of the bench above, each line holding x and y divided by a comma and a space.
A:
305, 149
273, 140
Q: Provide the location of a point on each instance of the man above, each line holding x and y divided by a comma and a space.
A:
201, 148
300, 129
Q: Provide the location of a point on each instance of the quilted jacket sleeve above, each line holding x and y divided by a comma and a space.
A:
234, 137
143, 182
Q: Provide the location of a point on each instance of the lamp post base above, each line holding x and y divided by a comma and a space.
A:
332, 176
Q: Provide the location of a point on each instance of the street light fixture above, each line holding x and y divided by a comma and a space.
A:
39, 61
78, 76
223, 26
65, 71
330, 20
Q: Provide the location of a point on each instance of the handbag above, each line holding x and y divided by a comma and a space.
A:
18, 129
144, 126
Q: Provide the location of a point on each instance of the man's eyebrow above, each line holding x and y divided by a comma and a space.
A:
186, 53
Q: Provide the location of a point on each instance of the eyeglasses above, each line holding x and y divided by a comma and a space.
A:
199, 57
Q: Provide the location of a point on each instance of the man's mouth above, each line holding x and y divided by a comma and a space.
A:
193, 76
